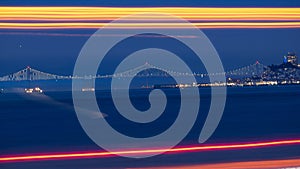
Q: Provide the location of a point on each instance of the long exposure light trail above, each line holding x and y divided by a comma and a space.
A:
263, 164
149, 25
95, 154
95, 17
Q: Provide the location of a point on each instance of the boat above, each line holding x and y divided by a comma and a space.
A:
33, 90
88, 89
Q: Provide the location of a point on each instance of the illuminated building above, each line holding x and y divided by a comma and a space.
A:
291, 58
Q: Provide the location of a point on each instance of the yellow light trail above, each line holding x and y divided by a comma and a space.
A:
96, 17
81, 25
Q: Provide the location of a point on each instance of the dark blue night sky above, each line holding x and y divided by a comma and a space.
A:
57, 54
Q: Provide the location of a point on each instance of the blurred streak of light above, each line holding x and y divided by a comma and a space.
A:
108, 17
95, 154
86, 25
266, 164
62, 9
88, 35
95, 17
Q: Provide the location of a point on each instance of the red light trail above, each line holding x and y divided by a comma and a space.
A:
95, 154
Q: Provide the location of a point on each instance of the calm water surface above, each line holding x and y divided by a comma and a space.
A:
48, 123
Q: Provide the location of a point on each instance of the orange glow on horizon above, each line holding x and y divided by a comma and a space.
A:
96, 17
95, 154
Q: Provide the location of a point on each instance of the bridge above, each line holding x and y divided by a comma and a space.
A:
29, 73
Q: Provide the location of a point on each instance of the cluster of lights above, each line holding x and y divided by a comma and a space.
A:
34, 90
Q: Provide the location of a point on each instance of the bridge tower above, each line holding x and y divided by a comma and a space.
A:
257, 68
28, 73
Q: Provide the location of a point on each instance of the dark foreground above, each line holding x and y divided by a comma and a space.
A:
47, 123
